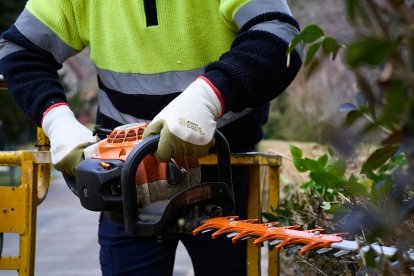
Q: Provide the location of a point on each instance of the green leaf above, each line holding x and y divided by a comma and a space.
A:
378, 158
311, 52
311, 33
323, 160
283, 212
312, 165
353, 116
308, 35
297, 158
295, 151
330, 45
294, 42
300, 165
270, 216
371, 51
397, 102
339, 167
357, 189
307, 185
326, 179
370, 258
338, 209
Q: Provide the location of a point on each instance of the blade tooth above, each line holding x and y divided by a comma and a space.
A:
231, 235
286, 242
223, 230
265, 237
274, 242
341, 253
203, 227
215, 223
243, 235
324, 250
208, 230
310, 246
345, 245
208, 225
382, 250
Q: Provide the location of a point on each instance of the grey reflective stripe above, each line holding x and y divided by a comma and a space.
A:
108, 109
257, 7
7, 47
38, 33
149, 84
283, 30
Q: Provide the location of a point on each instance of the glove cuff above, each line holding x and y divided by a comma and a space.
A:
53, 106
217, 93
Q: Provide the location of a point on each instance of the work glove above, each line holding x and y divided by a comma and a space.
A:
68, 138
187, 124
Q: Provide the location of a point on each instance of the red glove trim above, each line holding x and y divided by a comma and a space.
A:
50, 108
215, 92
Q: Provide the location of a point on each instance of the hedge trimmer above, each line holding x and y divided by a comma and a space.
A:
283, 236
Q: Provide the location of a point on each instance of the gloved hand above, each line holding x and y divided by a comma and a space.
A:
68, 138
187, 124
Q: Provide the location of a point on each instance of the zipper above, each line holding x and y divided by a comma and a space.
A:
151, 12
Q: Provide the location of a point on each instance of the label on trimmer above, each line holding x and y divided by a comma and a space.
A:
198, 194
130, 126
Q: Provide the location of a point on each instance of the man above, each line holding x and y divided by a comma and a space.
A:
188, 66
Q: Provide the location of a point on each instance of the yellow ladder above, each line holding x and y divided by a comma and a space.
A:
18, 204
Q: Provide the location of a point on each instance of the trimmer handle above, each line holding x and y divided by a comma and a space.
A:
149, 145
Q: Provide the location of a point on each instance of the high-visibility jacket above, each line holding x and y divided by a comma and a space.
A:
146, 52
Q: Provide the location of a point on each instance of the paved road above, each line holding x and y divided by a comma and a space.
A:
67, 238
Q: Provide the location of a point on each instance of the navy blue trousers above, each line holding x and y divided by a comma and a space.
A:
122, 254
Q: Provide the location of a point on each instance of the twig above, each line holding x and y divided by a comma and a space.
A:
269, 151
312, 266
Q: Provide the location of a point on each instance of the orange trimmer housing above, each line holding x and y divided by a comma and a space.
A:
120, 142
